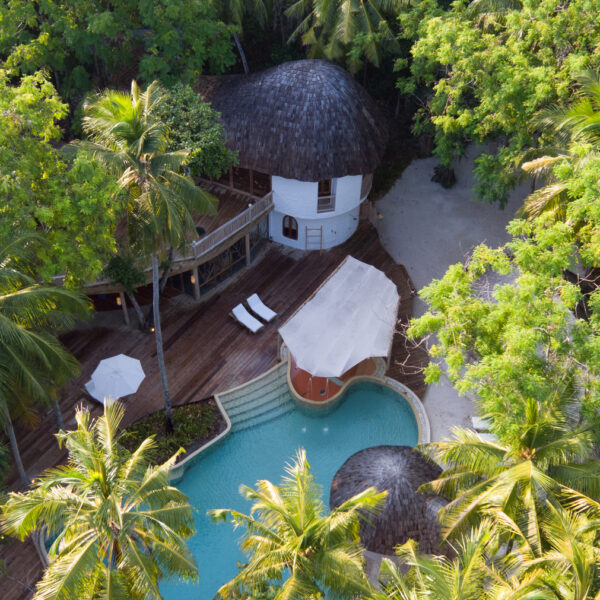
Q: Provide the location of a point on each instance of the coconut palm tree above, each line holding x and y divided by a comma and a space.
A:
567, 570
462, 577
131, 142
548, 460
33, 363
575, 130
291, 540
118, 525
332, 27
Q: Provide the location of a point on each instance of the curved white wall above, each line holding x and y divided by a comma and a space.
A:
299, 199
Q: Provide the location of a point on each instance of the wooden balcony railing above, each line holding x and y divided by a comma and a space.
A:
195, 250
207, 243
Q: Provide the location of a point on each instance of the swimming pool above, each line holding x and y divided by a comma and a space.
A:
371, 414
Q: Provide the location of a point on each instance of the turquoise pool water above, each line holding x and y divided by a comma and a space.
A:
371, 415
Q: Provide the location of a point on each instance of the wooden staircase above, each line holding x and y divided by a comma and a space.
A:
313, 238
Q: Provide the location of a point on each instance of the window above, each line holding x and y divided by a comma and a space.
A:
326, 199
290, 227
325, 187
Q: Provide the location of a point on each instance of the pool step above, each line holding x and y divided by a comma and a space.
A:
261, 400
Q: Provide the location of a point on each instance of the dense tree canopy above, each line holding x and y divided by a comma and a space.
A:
71, 202
91, 43
485, 71
193, 126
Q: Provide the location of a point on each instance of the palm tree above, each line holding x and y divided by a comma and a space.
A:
331, 28
289, 536
517, 479
463, 577
119, 525
233, 11
33, 363
568, 570
128, 139
575, 131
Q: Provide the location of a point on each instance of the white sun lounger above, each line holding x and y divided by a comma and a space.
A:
257, 306
488, 437
245, 318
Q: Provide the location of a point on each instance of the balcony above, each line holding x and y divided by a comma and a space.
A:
326, 204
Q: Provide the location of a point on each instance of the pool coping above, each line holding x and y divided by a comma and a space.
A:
177, 471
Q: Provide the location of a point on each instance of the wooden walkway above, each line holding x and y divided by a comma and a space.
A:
206, 351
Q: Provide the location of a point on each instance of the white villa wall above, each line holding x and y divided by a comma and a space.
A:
299, 199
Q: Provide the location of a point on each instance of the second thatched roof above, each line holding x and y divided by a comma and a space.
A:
306, 120
407, 514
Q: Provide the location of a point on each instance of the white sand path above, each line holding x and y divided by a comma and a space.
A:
428, 228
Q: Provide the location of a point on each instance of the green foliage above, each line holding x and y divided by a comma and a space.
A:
72, 203
480, 568
88, 43
486, 74
347, 31
548, 459
194, 424
122, 269
294, 545
161, 201
32, 360
193, 126
119, 526
512, 342
4, 468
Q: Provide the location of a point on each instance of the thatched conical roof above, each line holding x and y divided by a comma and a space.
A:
407, 514
306, 119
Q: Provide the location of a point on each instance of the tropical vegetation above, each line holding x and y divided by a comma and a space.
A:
126, 136
291, 541
117, 526
33, 363
517, 328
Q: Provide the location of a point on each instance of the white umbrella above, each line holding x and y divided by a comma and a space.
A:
114, 377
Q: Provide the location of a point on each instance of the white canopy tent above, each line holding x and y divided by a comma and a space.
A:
351, 317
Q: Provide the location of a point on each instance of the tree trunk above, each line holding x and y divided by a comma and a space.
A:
238, 44
13, 443
60, 423
165, 276
138, 310
162, 285
159, 345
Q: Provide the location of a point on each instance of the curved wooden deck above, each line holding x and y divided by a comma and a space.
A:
206, 351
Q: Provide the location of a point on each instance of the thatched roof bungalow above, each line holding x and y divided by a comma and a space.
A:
308, 131
407, 514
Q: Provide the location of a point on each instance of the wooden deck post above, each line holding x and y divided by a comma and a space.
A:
247, 245
196, 277
124, 307
251, 181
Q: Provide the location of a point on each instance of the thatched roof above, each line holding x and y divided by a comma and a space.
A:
407, 514
307, 120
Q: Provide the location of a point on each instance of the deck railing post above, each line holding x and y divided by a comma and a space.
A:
196, 283
247, 245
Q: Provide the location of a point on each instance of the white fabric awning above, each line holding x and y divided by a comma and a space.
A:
351, 317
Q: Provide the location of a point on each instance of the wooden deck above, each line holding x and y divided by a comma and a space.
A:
230, 206
206, 351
